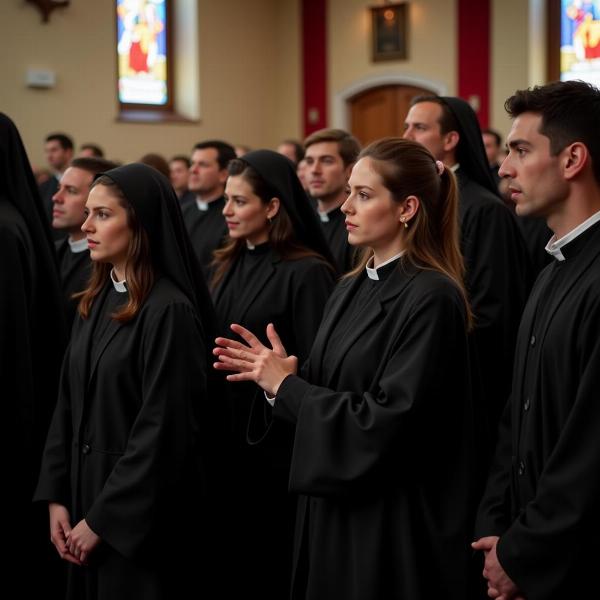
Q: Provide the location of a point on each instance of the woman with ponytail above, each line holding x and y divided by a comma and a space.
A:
383, 449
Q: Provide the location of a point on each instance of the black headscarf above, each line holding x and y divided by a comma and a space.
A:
279, 173
19, 187
157, 208
470, 153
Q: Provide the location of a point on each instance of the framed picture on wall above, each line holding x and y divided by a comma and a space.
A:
389, 30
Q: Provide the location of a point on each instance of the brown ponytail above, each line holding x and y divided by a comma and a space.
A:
432, 238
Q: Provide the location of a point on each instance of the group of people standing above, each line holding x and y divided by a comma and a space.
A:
297, 413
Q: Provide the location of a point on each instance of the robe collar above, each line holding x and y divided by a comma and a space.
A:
555, 247
120, 286
374, 273
77, 246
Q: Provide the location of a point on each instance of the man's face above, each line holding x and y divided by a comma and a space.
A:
57, 156
288, 150
422, 124
534, 176
179, 173
326, 175
491, 148
206, 177
68, 209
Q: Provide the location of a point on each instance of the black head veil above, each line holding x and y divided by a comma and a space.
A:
280, 174
19, 187
471, 151
157, 208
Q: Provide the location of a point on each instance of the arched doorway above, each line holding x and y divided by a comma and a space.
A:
380, 111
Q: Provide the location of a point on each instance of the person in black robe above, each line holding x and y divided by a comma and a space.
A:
498, 271
32, 342
276, 268
536, 235
382, 411
123, 469
538, 521
203, 216
68, 214
329, 157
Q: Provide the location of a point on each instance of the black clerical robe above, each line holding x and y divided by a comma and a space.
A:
498, 279
536, 235
333, 224
259, 289
75, 271
122, 451
207, 229
383, 446
543, 490
32, 341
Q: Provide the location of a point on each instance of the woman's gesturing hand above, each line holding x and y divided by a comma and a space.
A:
253, 361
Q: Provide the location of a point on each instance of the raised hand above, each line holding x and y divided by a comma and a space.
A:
253, 361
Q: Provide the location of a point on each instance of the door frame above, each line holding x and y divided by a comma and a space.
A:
340, 113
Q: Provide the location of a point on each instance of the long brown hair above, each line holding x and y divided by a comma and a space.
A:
139, 271
281, 231
432, 239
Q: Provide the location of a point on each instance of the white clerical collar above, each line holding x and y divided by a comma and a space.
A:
323, 216
553, 247
118, 285
372, 272
203, 206
77, 246
455, 167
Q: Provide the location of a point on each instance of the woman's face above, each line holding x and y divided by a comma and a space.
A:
106, 228
246, 215
372, 216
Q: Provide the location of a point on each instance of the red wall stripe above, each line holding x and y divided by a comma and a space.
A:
474, 54
314, 65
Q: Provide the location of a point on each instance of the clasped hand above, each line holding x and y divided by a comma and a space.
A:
253, 361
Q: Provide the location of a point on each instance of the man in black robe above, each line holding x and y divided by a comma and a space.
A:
492, 142
539, 521
32, 341
68, 214
204, 216
497, 266
330, 155
58, 148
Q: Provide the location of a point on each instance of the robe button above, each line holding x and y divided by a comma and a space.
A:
532, 340
527, 403
521, 467
86, 449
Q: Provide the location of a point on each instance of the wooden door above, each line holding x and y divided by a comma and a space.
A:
380, 112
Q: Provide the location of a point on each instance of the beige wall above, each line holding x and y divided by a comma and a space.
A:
432, 53
249, 77
250, 68
509, 56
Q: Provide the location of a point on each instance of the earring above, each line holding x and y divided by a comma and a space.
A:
403, 221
